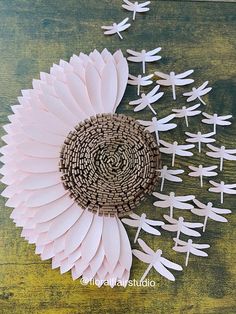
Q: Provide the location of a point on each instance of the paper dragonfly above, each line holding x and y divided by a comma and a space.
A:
171, 201
216, 120
221, 153
175, 149
208, 211
140, 81
201, 172
200, 138
147, 99
155, 259
159, 125
196, 93
181, 226
190, 247
136, 7
141, 222
222, 188
170, 175
173, 80
144, 56
185, 112
116, 28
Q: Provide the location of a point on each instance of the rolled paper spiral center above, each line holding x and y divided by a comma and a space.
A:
109, 163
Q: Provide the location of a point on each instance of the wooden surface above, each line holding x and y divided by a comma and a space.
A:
34, 34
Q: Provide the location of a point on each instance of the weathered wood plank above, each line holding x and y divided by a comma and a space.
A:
199, 35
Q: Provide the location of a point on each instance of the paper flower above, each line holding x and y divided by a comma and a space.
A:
136, 7
201, 172
176, 149
185, 112
173, 80
140, 81
116, 28
147, 99
67, 164
170, 175
171, 201
221, 153
200, 138
160, 125
144, 56
182, 226
141, 222
208, 211
155, 259
197, 93
216, 120
222, 188
190, 247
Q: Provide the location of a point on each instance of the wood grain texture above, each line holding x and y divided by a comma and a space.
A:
200, 35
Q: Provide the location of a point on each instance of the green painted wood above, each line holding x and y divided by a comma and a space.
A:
34, 35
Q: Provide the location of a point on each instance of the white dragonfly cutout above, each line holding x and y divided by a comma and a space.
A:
208, 211
173, 80
140, 81
190, 247
222, 188
221, 153
142, 223
172, 201
181, 226
216, 120
155, 259
176, 149
201, 172
136, 7
197, 93
116, 28
170, 175
147, 99
200, 138
144, 56
186, 112
160, 125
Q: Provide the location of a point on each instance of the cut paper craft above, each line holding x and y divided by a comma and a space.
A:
160, 125
186, 112
136, 7
171, 201
200, 138
208, 211
216, 120
142, 223
175, 149
90, 244
201, 172
181, 226
147, 99
222, 188
117, 28
144, 56
140, 81
190, 247
170, 175
155, 259
221, 153
197, 93
174, 80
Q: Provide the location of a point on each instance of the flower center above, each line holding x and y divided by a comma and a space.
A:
109, 163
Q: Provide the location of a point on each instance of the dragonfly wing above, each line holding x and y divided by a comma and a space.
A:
111, 32
133, 53
123, 22
217, 217
128, 2
146, 83
193, 113
199, 212
205, 91
198, 252
140, 107
152, 58
166, 82
135, 59
184, 74
188, 94
172, 178
163, 271
151, 128
134, 216
181, 205
142, 9
181, 249
221, 210
175, 171
201, 87
169, 219
166, 127
145, 247
201, 246
162, 75
144, 4
145, 123
180, 242
214, 183
190, 232
182, 82
154, 222
150, 229
142, 256
164, 204
160, 196
107, 27
199, 204
128, 7
156, 97
190, 134
229, 157
229, 191
130, 222
193, 224
194, 107
171, 228
220, 122
154, 51
213, 155
124, 27
135, 102
153, 91
166, 119
170, 264
215, 149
